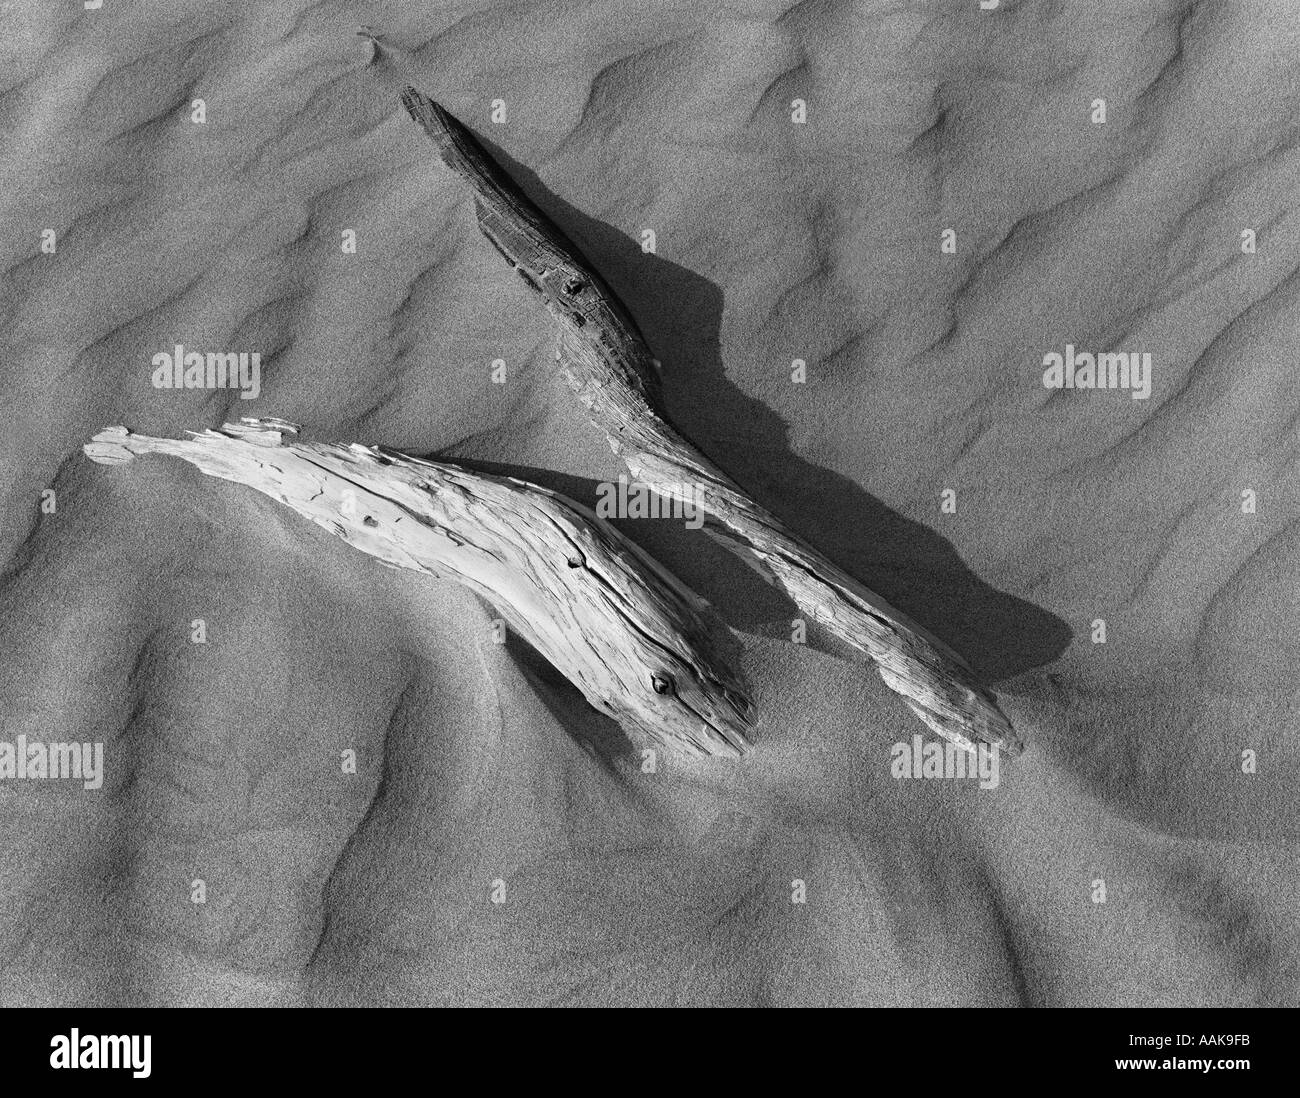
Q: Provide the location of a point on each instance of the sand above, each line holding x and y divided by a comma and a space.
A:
497, 840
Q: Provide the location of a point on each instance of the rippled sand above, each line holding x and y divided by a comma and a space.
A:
499, 841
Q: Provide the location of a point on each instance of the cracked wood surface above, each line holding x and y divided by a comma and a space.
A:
637, 642
608, 364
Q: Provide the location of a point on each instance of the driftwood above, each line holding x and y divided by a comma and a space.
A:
639, 644
608, 364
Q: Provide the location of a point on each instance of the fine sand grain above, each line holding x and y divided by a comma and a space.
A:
498, 841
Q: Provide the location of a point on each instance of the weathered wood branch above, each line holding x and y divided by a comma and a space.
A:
608, 364
639, 644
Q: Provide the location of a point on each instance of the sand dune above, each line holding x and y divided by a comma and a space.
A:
500, 841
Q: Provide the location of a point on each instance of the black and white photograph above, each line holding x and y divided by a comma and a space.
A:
659, 505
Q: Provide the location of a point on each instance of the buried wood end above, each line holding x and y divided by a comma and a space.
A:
107, 447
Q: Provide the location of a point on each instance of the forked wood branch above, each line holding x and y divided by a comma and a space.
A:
608, 364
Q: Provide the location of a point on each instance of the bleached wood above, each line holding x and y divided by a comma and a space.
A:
608, 364
637, 642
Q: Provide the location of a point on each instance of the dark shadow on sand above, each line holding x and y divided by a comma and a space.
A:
914, 568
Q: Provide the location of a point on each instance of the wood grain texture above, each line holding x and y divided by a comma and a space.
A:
608, 364
639, 644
